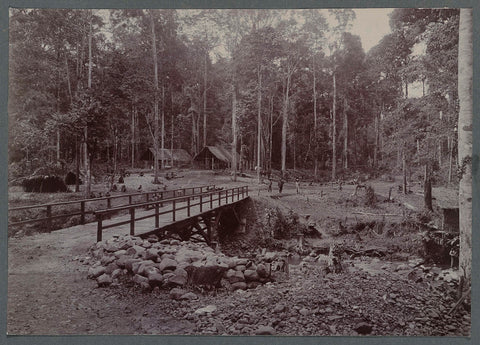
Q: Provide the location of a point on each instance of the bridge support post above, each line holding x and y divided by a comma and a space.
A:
173, 210
99, 227
82, 212
132, 221
156, 216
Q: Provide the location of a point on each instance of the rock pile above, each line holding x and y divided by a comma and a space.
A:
171, 264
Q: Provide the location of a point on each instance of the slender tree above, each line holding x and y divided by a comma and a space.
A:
465, 118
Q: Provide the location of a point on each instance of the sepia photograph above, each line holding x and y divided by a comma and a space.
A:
240, 172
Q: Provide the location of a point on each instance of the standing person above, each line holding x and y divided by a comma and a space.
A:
297, 184
280, 185
269, 185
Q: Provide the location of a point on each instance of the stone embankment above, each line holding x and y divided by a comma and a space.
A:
171, 264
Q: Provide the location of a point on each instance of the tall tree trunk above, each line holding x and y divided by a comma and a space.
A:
234, 129
205, 101
77, 166
171, 115
315, 146
259, 121
155, 107
88, 177
271, 135
465, 118
133, 137
375, 148
404, 170
162, 154
427, 188
345, 137
334, 130
285, 124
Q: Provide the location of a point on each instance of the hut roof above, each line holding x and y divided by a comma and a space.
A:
220, 152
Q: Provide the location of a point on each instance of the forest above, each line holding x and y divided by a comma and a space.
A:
288, 89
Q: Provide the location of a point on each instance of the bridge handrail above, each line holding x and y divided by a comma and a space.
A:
82, 203
243, 190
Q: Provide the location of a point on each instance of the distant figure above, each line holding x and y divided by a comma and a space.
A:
280, 185
269, 185
120, 179
107, 194
114, 188
297, 185
139, 188
123, 189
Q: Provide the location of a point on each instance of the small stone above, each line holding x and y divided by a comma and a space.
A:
304, 311
206, 310
265, 330
177, 293
188, 296
279, 308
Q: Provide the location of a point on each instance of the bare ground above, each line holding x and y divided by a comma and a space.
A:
48, 292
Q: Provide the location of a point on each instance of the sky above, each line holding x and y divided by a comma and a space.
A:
371, 24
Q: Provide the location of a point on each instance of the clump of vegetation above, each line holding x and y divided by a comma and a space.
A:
370, 199
280, 226
44, 184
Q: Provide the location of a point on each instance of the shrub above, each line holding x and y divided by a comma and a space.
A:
44, 184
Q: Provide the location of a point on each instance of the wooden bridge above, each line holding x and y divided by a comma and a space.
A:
186, 215
185, 211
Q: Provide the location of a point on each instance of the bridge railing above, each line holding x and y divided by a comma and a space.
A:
133, 199
212, 198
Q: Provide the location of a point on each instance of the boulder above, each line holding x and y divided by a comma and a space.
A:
151, 254
116, 273
140, 280
130, 262
104, 280
240, 268
176, 293
95, 272
208, 276
120, 253
179, 277
262, 271
239, 286
250, 275
155, 279
111, 267
234, 276
107, 259
167, 264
